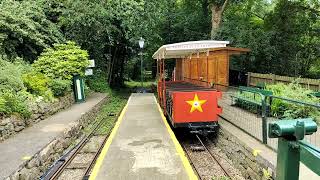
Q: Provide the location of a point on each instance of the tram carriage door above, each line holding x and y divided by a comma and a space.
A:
222, 70
218, 69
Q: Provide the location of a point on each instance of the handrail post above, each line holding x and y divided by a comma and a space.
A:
264, 120
288, 160
290, 149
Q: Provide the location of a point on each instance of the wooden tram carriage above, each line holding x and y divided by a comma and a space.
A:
189, 99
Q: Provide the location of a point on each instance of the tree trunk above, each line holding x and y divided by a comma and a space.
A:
216, 12
113, 59
216, 21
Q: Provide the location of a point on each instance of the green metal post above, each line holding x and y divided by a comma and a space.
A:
292, 148
264, 120
288, 159
78, 89
141, 70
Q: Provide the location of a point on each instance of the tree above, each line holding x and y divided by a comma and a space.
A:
295, 36
62, 61
24, 30
217, 8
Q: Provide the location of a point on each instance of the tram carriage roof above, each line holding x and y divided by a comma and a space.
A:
184, 49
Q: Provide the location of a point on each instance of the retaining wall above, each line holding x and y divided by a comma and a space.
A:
248, 160
40, 162
40, 111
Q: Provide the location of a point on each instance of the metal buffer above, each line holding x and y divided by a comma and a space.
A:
292, 148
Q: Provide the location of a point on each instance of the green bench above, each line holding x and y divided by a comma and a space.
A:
316, 94
254, 100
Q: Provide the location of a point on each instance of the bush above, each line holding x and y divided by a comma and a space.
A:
62, 61
287, 110
59, 87
37, 84
10, 77
13, 103
2, 106
98, 82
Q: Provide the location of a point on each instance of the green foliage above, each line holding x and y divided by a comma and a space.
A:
292, 91
135, 84
315, 69
98, 82
2, 105
288, 110
10, 76
37, 84
109, 30
281, 34
62, 61
13, 103
25, 30
109, 111
60, 87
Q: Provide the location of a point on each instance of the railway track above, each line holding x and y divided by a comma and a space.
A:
215, 158
78, 162
206, 163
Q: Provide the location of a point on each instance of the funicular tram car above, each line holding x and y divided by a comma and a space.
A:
189, 99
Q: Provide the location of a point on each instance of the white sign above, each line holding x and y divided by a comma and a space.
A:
92, 64
78, 89
88, 72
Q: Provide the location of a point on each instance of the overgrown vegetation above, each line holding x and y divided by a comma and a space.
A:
281, 108
289, 110
135, 84
37, 84
97, 82
22, 85
111, 110
62, 61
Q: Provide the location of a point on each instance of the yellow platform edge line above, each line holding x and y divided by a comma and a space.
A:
106, 147
179, 149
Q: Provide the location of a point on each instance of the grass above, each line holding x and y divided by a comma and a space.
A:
110, 110
135, 84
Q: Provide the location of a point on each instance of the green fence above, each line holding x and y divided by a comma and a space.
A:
251, 109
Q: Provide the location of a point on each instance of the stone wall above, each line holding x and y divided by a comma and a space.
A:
247, 160
40, 162
14, 124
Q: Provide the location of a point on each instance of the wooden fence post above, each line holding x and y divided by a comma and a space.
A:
273, 78
249, 79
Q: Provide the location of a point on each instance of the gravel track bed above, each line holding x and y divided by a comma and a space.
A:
72, 174
77, 167
224, 161
93, 145
206, 167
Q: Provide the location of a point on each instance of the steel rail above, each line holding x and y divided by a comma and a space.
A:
214, 158
92, 163
192, 164
65, 160
75, 150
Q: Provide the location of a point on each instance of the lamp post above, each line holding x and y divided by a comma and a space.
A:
141, 44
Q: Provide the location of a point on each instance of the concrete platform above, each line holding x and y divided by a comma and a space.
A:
142, 146
32, 139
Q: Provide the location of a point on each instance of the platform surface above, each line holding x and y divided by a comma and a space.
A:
32, 139
142, 147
